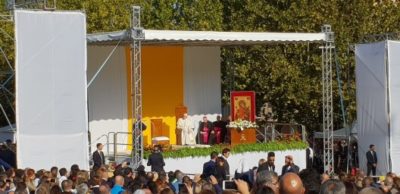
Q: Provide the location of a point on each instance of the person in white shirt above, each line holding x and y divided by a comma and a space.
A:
63, 175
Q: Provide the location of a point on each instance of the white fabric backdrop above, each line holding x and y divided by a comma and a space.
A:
107, 96
202, 82
51, 84
394, 91
372, 104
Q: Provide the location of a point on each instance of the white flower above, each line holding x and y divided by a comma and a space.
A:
242, 124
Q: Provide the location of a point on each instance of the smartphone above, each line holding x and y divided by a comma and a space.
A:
53, 180
181, 186
229, 185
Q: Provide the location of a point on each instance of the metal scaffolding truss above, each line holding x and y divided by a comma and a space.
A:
7, 95
327, 105
137, 37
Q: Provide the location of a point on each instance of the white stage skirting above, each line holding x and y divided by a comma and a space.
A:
240, 162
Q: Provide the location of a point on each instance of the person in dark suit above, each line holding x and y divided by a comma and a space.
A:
372, 160
226, 152
220, 173
269, 165
210, 166
156, 160
98, 156
289, 166
309, 157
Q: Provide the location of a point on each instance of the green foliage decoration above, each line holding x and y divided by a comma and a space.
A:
241, 148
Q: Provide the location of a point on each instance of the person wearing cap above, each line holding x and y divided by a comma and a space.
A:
289, 166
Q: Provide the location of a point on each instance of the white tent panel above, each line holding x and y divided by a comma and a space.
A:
372, 104
107, 96
394, 91
202, 78
51, 106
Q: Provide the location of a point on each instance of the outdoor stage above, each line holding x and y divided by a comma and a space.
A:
177, 69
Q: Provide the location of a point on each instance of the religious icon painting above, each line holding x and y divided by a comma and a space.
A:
243, 105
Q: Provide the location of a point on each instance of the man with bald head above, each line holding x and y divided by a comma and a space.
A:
289, 166
118, 187
291, 183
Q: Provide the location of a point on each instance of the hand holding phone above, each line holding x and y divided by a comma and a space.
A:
229, 185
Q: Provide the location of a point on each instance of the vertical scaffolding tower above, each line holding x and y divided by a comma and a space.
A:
7, 76
137, 36
327, 106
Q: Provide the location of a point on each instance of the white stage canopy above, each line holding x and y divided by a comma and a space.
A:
51, 105
202, 89
168, 37
378, 91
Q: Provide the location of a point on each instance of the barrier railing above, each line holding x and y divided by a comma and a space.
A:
279, 131
111, 143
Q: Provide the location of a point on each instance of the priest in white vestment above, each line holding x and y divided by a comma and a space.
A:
187, 127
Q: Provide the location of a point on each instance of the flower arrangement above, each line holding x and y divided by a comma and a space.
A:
242, 124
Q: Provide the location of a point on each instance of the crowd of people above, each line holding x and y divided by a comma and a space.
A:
214, 179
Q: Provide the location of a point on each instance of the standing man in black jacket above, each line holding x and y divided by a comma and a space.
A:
226, 152
289, 166
372, 160
156, 160
269, 165
98, 156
